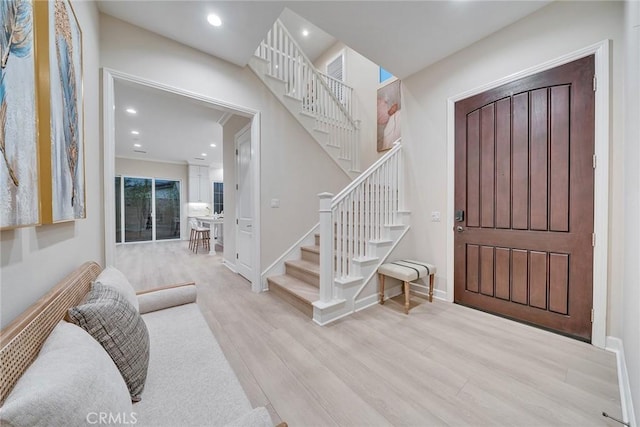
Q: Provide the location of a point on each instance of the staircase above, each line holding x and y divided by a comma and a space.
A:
320, 103
364, 222
328, 273
300, 285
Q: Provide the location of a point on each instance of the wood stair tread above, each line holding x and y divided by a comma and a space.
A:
308, 266
315, 249
302, 290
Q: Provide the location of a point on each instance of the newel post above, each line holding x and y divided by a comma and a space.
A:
326, 246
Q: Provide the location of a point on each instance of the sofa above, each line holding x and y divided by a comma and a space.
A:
55, 373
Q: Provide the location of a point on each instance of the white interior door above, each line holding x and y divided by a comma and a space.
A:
244, 201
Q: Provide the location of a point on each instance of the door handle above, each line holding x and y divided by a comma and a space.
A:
249, 225
459, 229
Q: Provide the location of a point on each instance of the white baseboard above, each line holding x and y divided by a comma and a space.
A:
616, 346
424, 291
231, 266
372, 300
397, 290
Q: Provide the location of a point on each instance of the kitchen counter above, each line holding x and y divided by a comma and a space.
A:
215, 225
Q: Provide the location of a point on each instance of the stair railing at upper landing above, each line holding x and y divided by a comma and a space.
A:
356, 218
327, 99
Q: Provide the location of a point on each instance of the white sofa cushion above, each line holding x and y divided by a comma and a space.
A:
113, 277
259, 417
188, 373
72, 380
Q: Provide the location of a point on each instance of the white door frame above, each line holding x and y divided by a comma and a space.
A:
601, 183
108, 105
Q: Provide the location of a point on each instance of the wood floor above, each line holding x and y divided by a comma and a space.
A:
443, 364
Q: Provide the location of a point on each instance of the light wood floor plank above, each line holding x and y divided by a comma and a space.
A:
443, 364
344, 405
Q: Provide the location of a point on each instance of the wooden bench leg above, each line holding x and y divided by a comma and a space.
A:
406, 297
381, 277
431, 277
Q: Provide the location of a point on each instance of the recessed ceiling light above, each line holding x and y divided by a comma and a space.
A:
137, 145
214, 20
212, 145
204, 154
305, 32
131, 111
135, 132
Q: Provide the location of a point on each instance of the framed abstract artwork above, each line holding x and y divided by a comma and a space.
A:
67, 114
19, 170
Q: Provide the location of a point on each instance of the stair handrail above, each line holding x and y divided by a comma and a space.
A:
317, 73
356, 217
397, 145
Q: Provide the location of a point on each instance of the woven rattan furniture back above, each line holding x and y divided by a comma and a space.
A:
21, 340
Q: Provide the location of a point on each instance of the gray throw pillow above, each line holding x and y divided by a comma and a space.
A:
107, 316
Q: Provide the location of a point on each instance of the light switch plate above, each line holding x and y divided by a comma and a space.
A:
435, 216
275, 203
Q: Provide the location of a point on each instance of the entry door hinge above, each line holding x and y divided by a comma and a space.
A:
593, 239
236, 186
591, 310
236, 221
595, 161
595, 83
236, 151
592, 315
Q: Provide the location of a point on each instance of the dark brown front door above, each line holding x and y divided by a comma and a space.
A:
524, 179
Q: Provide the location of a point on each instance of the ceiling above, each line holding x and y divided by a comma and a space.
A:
172, 128
401, 36
315, 43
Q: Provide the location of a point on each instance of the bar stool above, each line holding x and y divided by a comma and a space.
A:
198, 234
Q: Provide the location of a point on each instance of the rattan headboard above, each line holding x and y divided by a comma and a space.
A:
21, 340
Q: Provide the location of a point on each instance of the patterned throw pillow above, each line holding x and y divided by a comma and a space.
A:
107, 316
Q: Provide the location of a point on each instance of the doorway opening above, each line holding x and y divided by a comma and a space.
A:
110, 79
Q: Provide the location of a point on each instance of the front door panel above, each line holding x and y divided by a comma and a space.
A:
524, 177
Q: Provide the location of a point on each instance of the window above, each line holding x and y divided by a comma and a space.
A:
218, 197
335, 71
147, 209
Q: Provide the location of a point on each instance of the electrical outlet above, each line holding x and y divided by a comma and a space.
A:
435, 216
275, 203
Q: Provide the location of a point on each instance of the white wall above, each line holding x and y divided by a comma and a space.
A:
553, 31
631, 283
362, 75
174, 171
216, 173
34, 259
284, 142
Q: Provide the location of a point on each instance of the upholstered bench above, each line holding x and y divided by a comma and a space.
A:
406, 271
